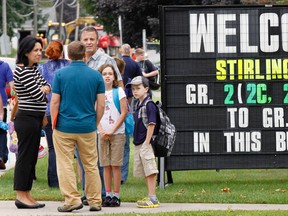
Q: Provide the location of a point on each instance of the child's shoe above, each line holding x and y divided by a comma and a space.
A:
147, 203
115, 202
41, 152
106, 202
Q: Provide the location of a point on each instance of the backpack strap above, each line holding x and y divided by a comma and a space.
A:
143, 112
116, 98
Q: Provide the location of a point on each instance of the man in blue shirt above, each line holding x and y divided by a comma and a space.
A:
6, 75
76, 88
95, 57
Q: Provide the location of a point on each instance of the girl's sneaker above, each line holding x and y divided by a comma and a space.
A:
41, 152
107, 201
115, 202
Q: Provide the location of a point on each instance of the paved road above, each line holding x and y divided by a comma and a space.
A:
8, 208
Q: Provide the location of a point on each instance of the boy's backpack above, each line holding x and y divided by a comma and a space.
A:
129, 121
163, 142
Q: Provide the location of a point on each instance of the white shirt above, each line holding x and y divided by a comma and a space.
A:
111, 113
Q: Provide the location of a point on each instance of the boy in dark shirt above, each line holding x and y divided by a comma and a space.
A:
144, 158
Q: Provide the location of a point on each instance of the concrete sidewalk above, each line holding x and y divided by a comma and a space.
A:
9, 209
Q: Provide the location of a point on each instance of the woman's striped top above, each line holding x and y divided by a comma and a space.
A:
27, 82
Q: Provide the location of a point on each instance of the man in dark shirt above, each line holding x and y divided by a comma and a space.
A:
131, 69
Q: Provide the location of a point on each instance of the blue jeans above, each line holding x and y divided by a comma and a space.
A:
3, 141
3, 146
52, 169
101, 170
125, 166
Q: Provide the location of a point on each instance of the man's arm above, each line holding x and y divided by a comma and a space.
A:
54, 108
152, 70
100, 104
150, 74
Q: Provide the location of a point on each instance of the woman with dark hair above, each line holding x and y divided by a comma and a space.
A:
31, 89
54, 52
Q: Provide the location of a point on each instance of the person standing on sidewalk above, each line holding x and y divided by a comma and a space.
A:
144, 158
76, 91
125, 167
31, 89
6, 75
131, 70
112, 135
95, 58
54, 52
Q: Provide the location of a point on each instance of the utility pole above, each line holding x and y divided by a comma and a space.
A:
4, 17
35, 18
144, 39
60, 22
4, 39
77, 16
120, 29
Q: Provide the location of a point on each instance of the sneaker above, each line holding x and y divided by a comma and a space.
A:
84, 201
2, 165
107, 201
69, 208
147, 203
95, 208
115, 202
41, 152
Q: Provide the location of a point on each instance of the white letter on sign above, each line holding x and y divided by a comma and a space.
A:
201, 30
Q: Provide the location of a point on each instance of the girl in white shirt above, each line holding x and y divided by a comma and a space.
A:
112, 135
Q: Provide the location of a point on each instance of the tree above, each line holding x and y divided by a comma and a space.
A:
18, 11
69, 11
136, 15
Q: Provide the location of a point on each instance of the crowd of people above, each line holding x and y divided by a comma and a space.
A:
85, 100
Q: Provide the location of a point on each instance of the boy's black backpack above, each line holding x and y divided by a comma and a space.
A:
164, 141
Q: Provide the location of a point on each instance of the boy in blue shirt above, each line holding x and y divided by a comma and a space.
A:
144, 158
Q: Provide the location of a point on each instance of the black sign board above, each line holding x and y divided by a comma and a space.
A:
225, 85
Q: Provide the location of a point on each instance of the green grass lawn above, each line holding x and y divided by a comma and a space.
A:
201, 186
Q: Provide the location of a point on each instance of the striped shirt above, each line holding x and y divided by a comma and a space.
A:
27, 82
